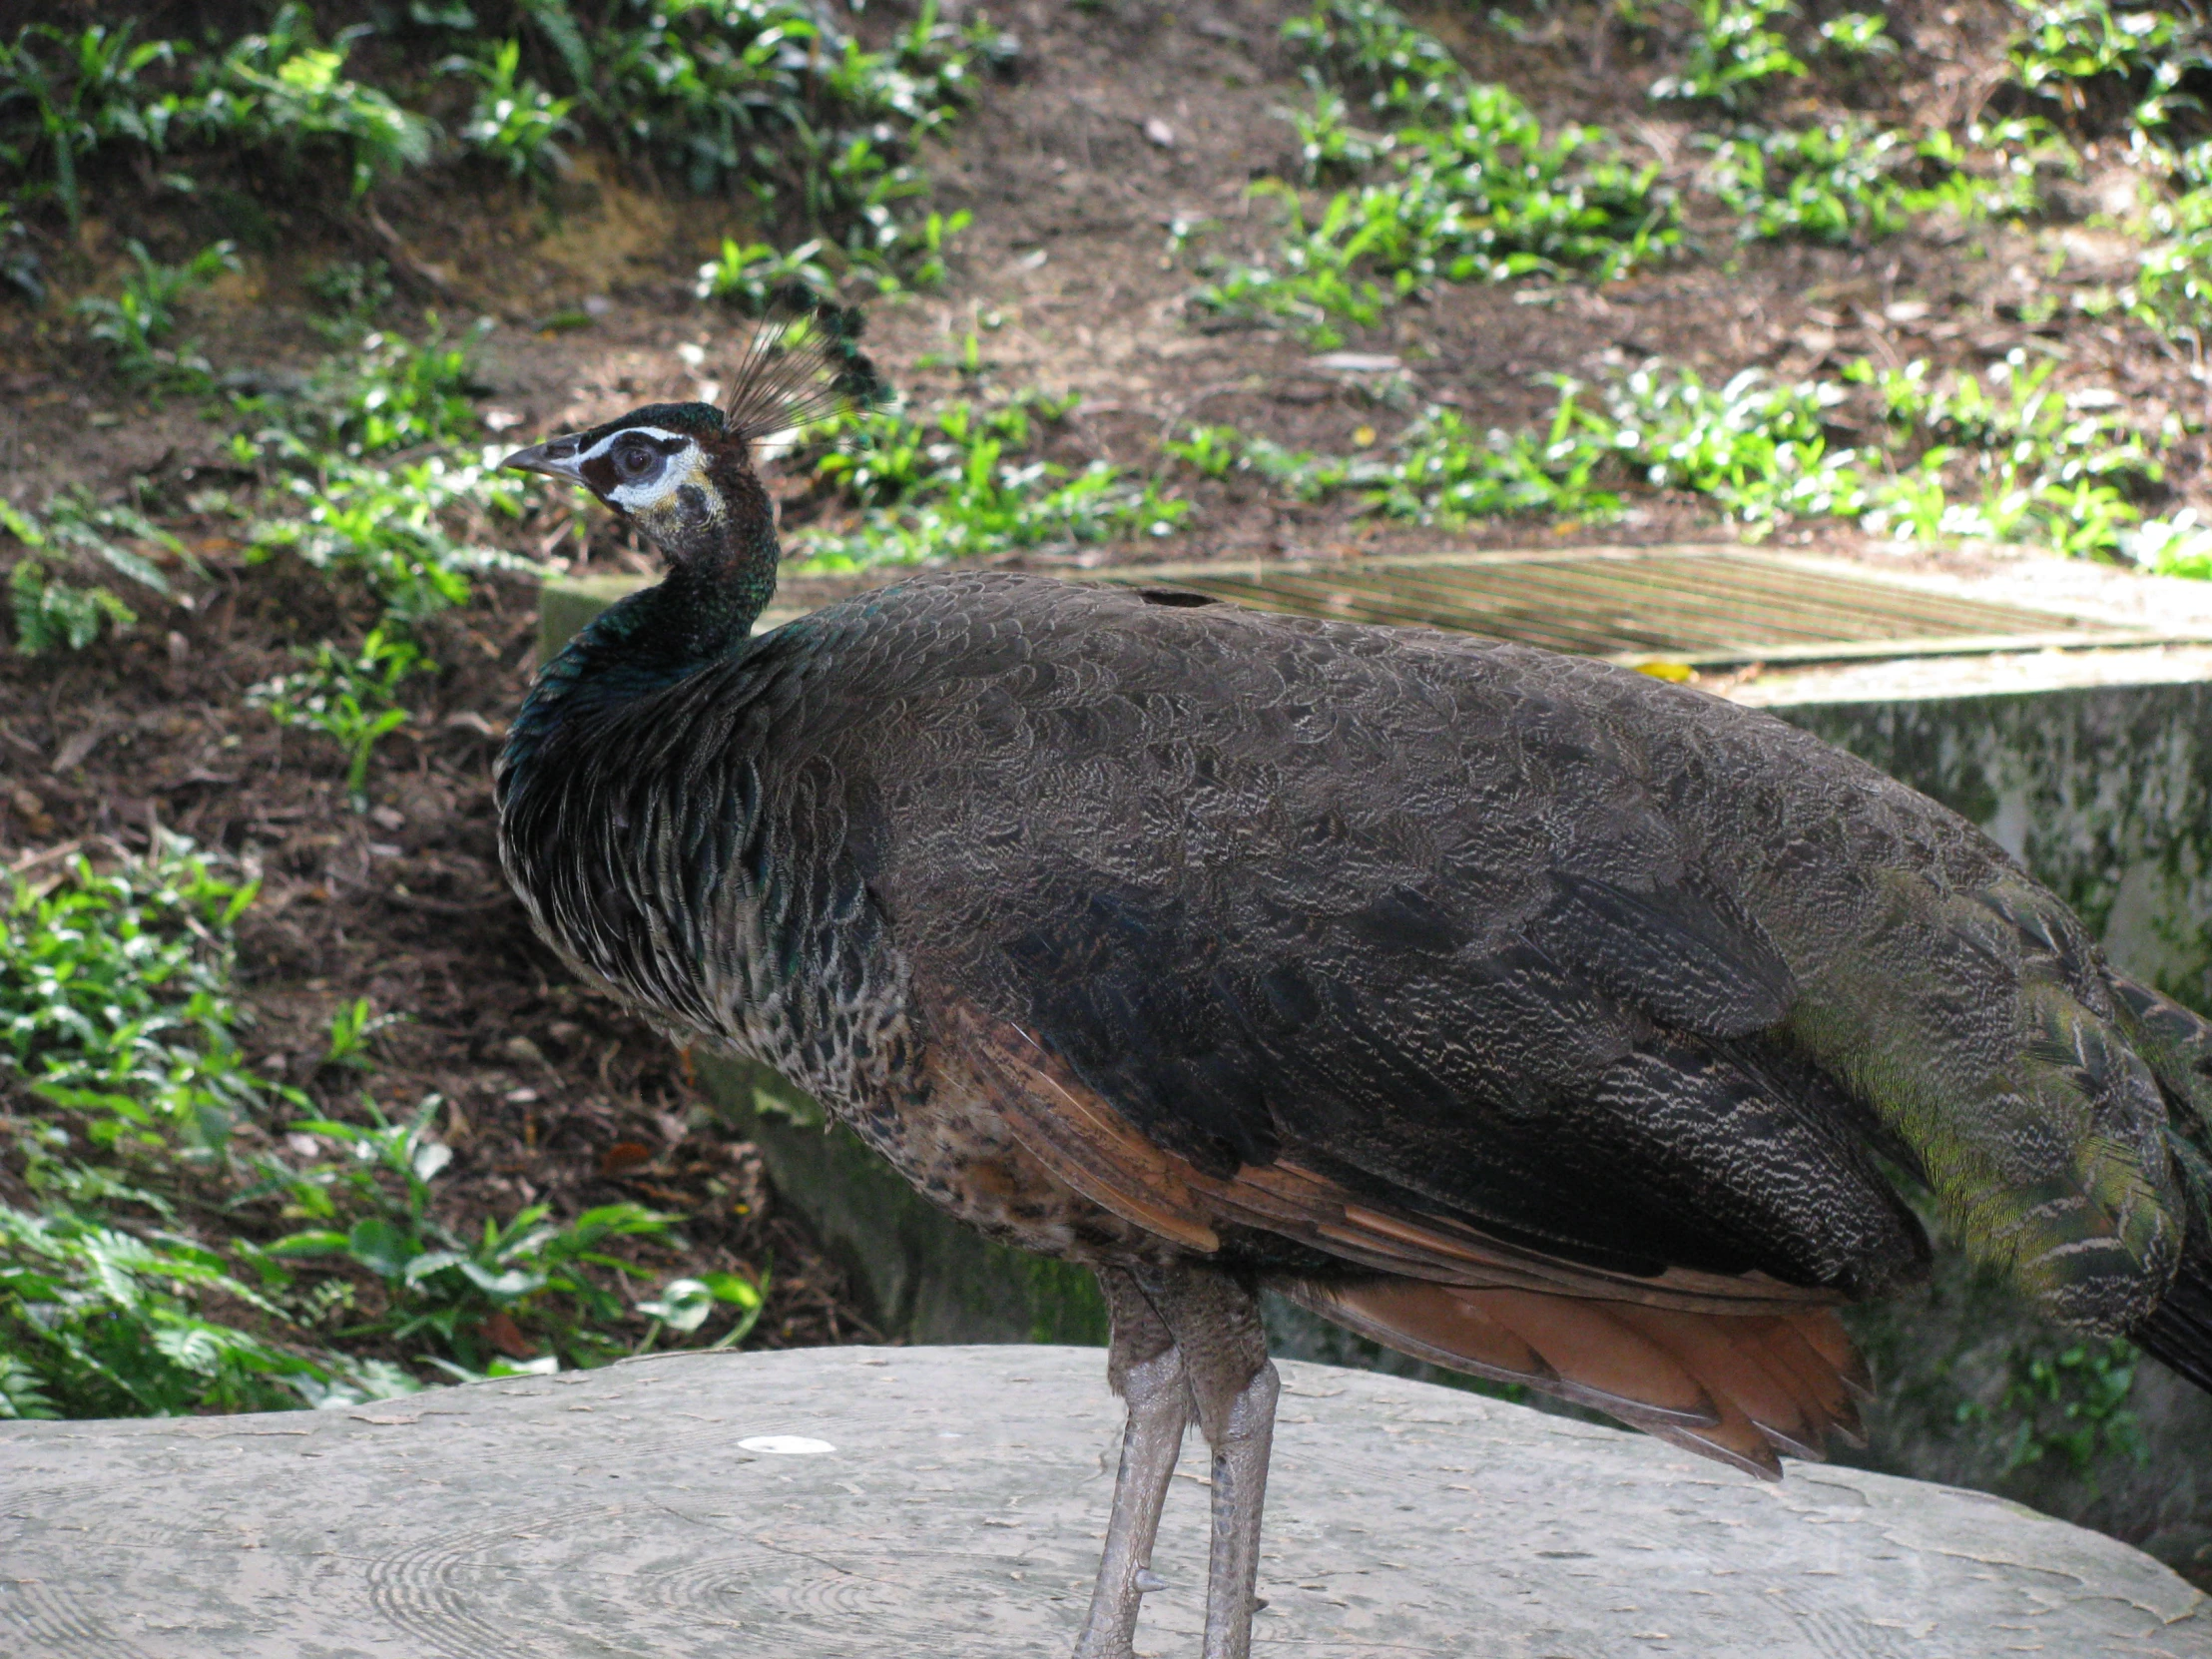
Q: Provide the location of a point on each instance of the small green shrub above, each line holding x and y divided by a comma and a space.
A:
1372, 46
436, 1284
1859, 35
351, 1027
65, 95
116, 1011
1438, 472
351, 698
1479, 191
1758, 449
51, 611
1734, 51
516, 124
134, 324
2070, 1403
749, 276
115, 999
1442, 473
2091, 64
283, 92
963, 481
99, 1321
343, 504
1840, 184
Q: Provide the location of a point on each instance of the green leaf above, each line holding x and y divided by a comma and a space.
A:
683, 1305
310, 1243
732, 1288
380, 1247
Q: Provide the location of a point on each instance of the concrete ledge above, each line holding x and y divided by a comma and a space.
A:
955, 1507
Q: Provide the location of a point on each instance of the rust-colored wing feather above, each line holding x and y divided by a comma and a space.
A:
1733, 1367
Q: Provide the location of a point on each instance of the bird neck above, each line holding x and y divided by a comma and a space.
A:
722, 552
722, 557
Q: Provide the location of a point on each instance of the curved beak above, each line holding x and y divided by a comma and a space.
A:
556, 458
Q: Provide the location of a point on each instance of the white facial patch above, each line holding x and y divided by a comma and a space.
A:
672, 473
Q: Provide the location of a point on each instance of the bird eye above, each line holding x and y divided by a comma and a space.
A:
635, 460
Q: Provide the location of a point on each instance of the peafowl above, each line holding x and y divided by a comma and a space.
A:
1530, 1015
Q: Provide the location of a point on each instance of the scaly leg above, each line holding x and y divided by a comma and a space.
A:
1147, 1372
1240, 1491
1214, 1322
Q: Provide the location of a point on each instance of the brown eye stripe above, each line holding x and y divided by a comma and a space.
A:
602, 471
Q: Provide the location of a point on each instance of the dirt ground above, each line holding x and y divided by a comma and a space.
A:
1120, 121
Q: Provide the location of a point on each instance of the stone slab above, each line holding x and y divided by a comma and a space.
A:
954, 1506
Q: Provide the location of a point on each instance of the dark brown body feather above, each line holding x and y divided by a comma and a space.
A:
1528, 1013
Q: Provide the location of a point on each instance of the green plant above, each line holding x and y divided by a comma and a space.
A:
1733, 50
1373, 46
1442, 474
115, 999
914, 247
1211, 452
685, 1303
963, 481
440, 1285
2070, 1403
344, 505
282, 91
1478, 192
351, 1027
1757, 448
1329, 148
352, 700
1837, 184
2040, 467
1860, 35
2172, 290
751, 275
134, 324
2092, 61
80, 90
50, 610
2179, 546
515, 123
116, 1014
97, 1321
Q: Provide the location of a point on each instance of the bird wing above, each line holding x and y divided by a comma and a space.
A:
1375, 923
1486, 944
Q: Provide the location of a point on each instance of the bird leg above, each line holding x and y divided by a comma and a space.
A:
1147, 1372
1215, 1324
1187, 1342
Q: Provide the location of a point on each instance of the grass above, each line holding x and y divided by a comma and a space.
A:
136, 325
967, 480
1472, 187
764, 100
188, 1235
2001, 457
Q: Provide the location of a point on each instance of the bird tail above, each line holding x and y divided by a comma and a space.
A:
1734, 1387
2178, 1046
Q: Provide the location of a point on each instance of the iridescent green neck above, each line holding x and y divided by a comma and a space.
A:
722, 552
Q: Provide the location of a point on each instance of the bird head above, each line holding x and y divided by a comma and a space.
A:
684, 472
674, 469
